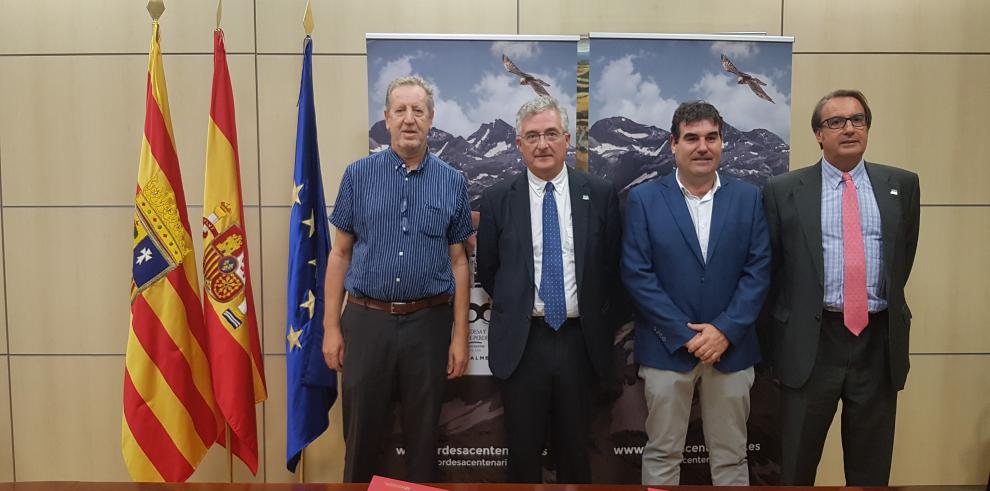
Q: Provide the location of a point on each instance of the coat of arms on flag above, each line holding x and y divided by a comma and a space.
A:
159, 239
223, 263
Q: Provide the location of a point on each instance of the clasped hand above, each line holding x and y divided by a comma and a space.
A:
708, 344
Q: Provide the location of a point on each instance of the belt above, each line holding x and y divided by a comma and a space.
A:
840, 317
399, 308
540, 321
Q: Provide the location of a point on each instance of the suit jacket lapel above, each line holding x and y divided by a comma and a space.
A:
720, 208
890, 210
808, 201
580, 204
678, 208
519, 199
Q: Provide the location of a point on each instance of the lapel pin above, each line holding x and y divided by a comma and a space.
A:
893, 192
585, 197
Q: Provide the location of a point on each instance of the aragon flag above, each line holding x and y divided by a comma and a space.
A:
170, 418
228, 303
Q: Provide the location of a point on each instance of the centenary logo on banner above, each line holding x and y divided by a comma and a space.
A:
626, 104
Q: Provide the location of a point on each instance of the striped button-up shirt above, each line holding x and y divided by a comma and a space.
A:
869, 218
403, 223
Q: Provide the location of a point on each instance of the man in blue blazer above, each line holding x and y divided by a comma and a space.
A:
696, 262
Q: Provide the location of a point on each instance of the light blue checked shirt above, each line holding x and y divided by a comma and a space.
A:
869, 217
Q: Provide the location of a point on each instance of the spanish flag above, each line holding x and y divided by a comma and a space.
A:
228, 304
170, 417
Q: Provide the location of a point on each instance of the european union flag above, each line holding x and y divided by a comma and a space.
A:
312, 386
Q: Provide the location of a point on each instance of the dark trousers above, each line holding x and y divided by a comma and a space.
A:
387, 356
855, 370
551, 389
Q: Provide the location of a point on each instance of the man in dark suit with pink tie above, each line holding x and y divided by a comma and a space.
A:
843, 233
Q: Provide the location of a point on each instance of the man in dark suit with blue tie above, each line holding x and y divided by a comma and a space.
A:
696, 262
548, 254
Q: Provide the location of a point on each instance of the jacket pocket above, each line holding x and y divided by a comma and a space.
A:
780, 314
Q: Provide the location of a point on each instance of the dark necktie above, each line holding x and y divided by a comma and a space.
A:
552, 275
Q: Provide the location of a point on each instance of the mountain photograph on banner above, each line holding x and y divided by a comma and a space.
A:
636, 83
479, 85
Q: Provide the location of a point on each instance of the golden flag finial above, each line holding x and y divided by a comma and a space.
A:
308, 19
219, 12
156, 8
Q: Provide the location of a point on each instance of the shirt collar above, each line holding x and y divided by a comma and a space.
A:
539, 185
833, 176
710, 193
400, 165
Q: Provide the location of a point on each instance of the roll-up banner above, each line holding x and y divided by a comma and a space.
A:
637, 81
632, 83
477, 82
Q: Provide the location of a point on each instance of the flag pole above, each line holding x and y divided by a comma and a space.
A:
308, 28
230, 454
301, 477
226, 427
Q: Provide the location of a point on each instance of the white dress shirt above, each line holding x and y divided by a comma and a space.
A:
562, 195
700, 209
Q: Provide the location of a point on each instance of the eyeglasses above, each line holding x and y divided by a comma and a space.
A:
551, 136
839, 122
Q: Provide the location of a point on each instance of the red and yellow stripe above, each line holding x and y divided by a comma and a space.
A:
235, 352
170, 419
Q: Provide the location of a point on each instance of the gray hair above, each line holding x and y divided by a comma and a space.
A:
537, 106
410, 80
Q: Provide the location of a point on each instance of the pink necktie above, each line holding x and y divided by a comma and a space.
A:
854, 308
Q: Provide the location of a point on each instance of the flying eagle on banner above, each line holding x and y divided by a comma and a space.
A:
228, 302
747, 79
170, 418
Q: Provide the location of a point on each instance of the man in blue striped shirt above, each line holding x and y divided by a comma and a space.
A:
401, 216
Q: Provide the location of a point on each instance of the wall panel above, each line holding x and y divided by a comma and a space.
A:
119, 26
888, 26
72, 269
947, 294
3, 297
72, 433
340, 26
82, 146
76, 299
274, 264
579, 17
340, 91
928, 116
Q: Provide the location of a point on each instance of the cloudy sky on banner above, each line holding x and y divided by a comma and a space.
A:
472, 87
645, 80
